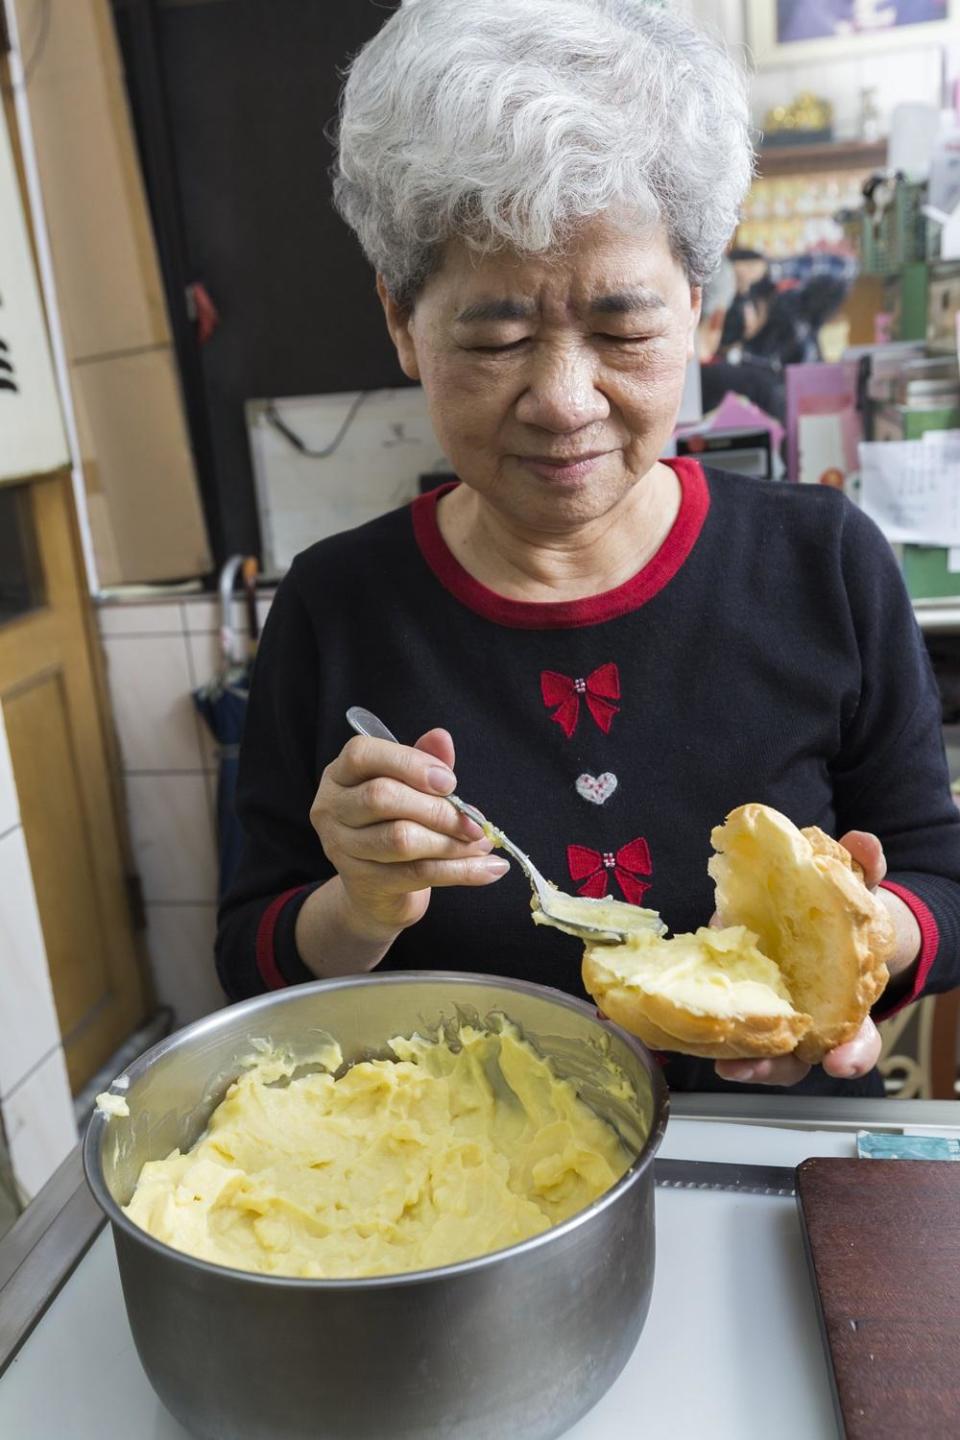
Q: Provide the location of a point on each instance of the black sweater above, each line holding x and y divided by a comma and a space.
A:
768, 652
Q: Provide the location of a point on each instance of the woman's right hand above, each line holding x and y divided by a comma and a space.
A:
386, 828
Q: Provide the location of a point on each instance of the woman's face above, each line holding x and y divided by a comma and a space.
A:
552, 382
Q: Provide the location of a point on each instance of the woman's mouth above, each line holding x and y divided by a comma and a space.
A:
566, 467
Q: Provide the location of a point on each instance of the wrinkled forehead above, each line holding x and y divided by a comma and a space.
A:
601, 271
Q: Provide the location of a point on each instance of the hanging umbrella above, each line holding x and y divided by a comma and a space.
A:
223, 704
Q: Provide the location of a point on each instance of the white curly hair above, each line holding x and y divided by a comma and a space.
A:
505, 122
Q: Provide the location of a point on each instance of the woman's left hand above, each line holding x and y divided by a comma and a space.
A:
859, 1055
847, 1062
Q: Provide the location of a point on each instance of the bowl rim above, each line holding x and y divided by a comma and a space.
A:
98, 1122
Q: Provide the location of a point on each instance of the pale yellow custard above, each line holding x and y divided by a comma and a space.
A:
571, 913
114, 1105
709, 972
435, 1157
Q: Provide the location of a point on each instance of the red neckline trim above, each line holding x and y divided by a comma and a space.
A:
567, 614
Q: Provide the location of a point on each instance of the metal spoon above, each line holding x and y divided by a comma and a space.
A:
552, 904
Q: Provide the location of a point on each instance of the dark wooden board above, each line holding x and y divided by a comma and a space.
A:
883, 1239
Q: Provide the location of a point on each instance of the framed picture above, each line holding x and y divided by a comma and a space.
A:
789, 32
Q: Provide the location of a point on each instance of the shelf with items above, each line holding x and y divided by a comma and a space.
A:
799, 188
861, 155
790, 214
888, 228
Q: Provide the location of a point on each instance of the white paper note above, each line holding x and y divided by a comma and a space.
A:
912, 489
947, 442
820, 446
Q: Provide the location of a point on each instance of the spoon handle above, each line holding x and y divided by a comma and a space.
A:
366, 723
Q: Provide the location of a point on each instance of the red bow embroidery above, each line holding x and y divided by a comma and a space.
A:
593, 867
599, 690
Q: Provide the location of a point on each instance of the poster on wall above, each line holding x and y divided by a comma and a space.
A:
32, 439
791, 32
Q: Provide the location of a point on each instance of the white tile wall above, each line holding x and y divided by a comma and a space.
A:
157, 654
201, 614
9, 808
203, 659
204, 653
29, 1029
180, 940
140, 617
172, 831
39, 1123
150, 688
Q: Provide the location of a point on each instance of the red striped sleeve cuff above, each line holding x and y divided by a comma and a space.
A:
270, 972
929, 944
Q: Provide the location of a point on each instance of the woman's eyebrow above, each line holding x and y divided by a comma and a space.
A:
633, 301
505, 309
627, 302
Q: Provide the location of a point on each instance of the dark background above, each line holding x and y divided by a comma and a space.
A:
231, 99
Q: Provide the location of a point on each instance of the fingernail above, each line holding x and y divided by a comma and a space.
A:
746, 1074
442, 780
495, 867
484, 845
471, 829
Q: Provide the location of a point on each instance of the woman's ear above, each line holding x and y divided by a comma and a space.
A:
398, 319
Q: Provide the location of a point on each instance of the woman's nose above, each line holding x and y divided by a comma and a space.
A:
562, 394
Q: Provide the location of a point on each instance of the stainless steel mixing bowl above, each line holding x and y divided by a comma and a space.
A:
516, 1345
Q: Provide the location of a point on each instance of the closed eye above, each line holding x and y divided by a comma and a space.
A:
626, 339
498, 349
524, 340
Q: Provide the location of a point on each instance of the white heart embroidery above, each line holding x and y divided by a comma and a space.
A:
596, 788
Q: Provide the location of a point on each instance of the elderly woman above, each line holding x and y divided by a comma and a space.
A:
621, 649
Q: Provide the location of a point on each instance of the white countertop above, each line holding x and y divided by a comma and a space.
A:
731, 1348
